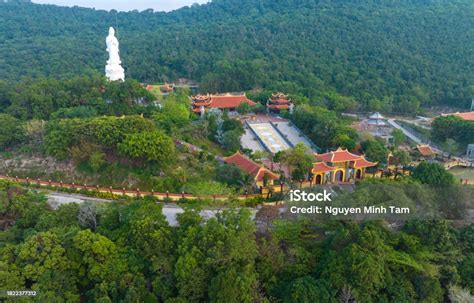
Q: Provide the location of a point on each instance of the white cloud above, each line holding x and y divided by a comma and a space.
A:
125, 5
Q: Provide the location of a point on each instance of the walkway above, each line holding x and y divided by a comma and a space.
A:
407, 133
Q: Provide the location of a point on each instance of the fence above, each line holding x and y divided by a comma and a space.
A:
265, 192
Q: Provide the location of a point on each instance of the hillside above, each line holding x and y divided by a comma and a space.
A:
387, 55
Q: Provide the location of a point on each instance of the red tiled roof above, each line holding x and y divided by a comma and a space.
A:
280, 101
262, 172
255, 170
362, 162
221, 101
425, 150
469, 116
340, 155
278, 106
321, 167
202, 103
230, 101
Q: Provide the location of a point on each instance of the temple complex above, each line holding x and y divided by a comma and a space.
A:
278, 102
262, 176
339, 166
201, 103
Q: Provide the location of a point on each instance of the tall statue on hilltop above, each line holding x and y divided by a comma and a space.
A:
113, 70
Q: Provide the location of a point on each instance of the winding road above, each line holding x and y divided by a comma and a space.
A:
170, 210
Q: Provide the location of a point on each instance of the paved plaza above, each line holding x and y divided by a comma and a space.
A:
292, 134
270, 133
270, 137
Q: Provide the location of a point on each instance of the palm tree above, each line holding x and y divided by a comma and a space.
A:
247, 183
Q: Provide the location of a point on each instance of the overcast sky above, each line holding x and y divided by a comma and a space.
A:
125, 5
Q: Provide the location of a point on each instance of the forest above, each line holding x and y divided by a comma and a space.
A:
61, 120
385, 55
126, 251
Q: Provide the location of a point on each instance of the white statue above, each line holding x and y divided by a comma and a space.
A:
113, 70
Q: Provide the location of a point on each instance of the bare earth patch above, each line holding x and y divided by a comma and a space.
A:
36, 166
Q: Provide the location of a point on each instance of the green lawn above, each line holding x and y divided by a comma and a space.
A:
463, 173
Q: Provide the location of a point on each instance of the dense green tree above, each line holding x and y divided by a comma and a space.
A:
231, 140
204, 262
400, 157
80, 96
134, 255
375, 150
62, 135
74, 112
344, 141
230, 174
307, 289
453, 128
408, 64
466, 271
233, 124
174, 113
44, 262
433, 174
398, 137
467, 238
298, 160
150, 237
243, 108
151, 146
323, 127
11, 131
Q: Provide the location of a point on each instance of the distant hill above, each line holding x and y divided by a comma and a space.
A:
384, 53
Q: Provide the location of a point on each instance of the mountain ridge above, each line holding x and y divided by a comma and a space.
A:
378, 52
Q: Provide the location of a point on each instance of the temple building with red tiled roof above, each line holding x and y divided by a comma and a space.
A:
230, 102
425, 151
278, 102
468, 116
261, 175
339, 166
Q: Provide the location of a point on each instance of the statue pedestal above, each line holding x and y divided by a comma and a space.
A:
114, 72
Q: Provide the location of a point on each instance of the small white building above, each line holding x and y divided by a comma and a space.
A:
377, 126
376, 119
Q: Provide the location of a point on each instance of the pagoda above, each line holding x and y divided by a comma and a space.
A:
377, 119
278, 102
200, 103
339, 166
